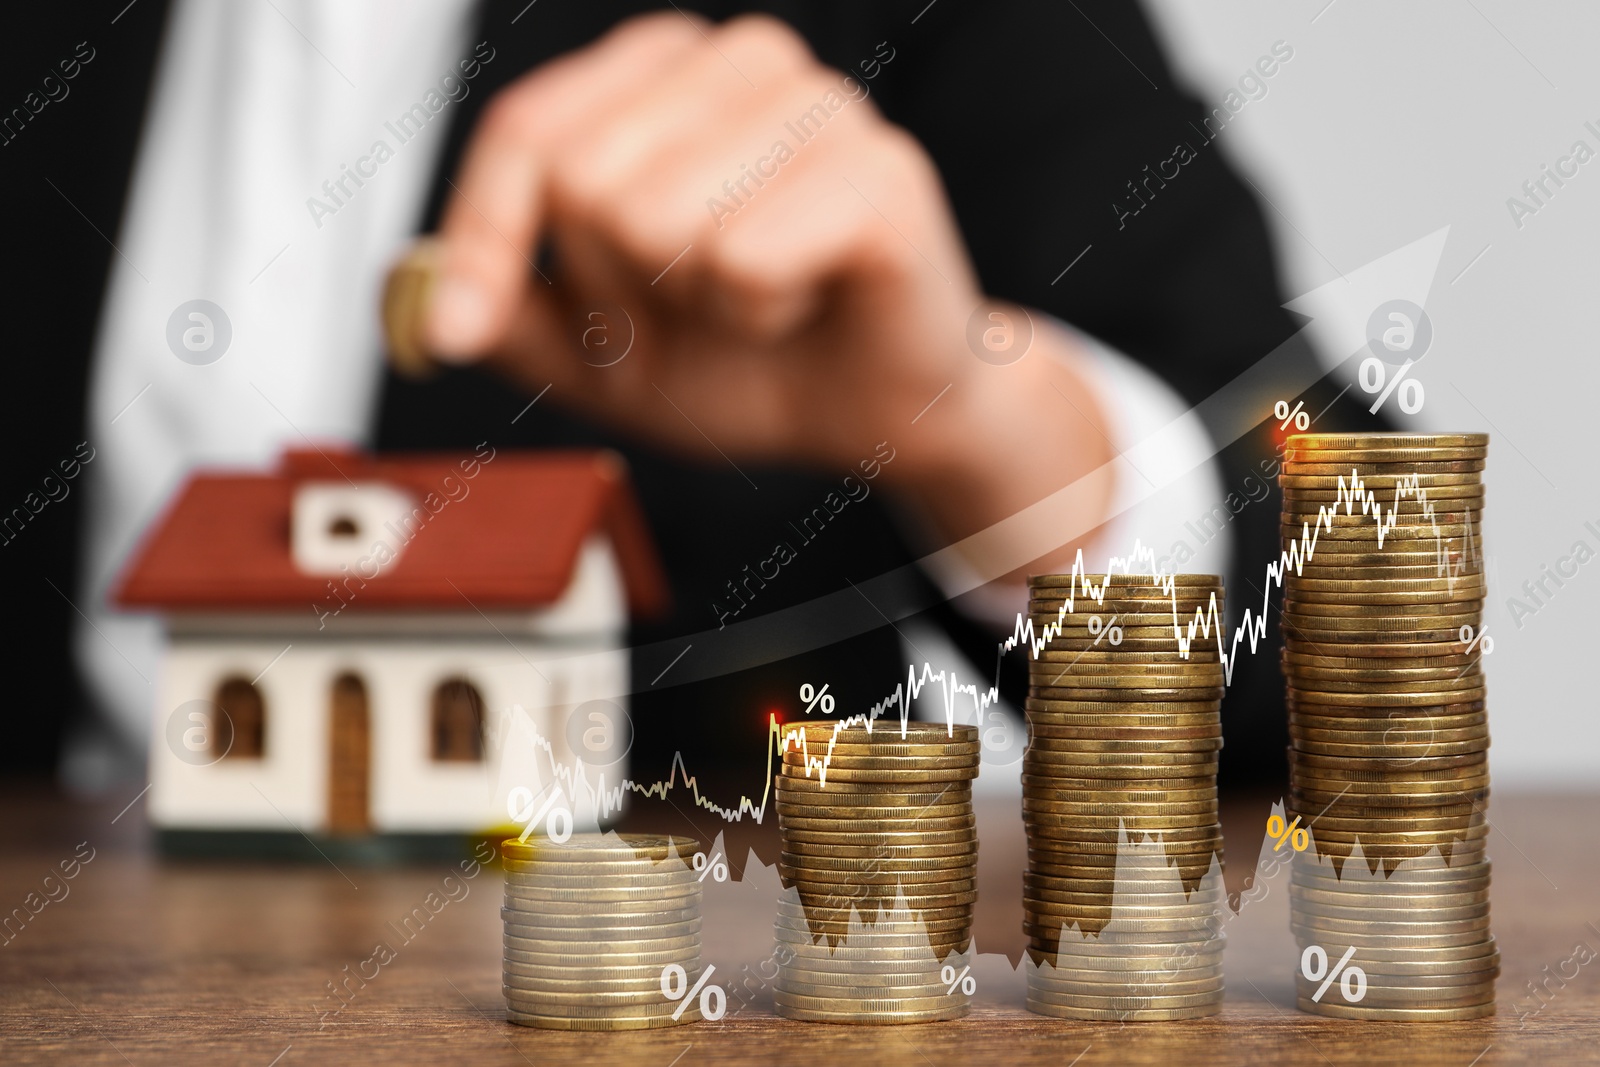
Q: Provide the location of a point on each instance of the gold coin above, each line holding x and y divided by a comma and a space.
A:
1471, 683
1384, 939
873, 793
1119, 579
1147, 697
1076, 666
679, 948
592, 1004
635, 934
1307, 700
1374, 651
1101, 809
599, 847
1418, 777
1139, 736
1133, 740
852, 1005
816, 1015
1421, 879
1431, 569
966, 847
791, 909
1420, 821
1167, 656
1350, 897
837, 763
1319, 614
1461, 598
1135, 824
537, 981
1360, 439
1334, 468
1298, 661
849, 836
832, 821
1067, 728
1455, 715
602, 957
1037, 888
1128, 990
1086, 967
813, 863
1087, 880
1040, 754
1362, 770
406, 293
826, 959
1389, 751
530, 914
1065, 838
1091, 715
908, 874
880, 896
1309, 587
1133, 1003
1124, 775
572, 875
909, 772
536, 978
1104, 788
1385, 454
592, 1025
892, 731
1373, 480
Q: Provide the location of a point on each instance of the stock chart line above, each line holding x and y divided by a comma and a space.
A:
1207, 621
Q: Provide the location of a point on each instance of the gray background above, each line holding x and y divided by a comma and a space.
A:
1392, 121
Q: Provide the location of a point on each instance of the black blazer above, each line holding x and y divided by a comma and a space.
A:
1039, 120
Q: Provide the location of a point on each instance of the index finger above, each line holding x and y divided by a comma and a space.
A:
492, 220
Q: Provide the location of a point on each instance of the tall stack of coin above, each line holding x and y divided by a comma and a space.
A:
590, 925
880, 856
1389, 737
1123, 734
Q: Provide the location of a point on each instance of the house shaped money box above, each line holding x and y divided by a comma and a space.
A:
348, 634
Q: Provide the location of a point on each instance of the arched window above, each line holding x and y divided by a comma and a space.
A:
240, 733
457, 721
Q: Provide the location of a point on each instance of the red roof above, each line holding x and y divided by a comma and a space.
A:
511, 542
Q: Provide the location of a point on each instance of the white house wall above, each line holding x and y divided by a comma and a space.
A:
409, 792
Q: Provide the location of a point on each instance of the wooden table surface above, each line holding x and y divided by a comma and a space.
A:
152, 961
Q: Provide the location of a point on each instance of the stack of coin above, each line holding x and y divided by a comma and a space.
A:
879, 861
590, 926
1124, 727
1388, 732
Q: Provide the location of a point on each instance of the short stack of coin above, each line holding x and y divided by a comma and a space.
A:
1388, 730
880, 855
591, 923
1123, 736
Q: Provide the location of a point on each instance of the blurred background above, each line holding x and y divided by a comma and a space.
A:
1386, 126
1389, 123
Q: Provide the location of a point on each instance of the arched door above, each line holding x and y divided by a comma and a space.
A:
349, 757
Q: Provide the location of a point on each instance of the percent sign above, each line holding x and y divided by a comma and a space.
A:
715, 865
1298, 416
968, 984
1482, 639
1293, 833
675, 986
817, 698
1373, 375
1111, 630
1314, 965
558, 822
